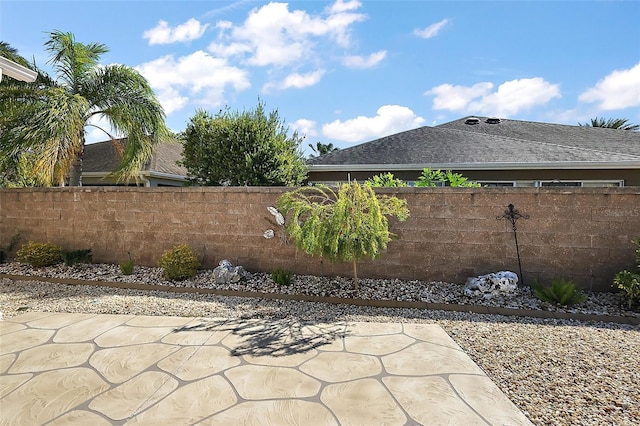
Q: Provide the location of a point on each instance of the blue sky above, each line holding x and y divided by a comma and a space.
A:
350, 71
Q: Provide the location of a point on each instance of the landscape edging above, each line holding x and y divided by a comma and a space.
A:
490, 310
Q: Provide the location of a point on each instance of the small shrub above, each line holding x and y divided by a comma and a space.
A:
385, 180
561, 292
40, 254
628, 282
13, 243
433, 177
281, 277
344, 225
179, 263
629, 285
77, 256
127, 267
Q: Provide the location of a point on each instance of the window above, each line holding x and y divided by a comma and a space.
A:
584, 183
559, 183
496, 183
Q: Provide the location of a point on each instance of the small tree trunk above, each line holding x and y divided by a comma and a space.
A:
75, 171
355, 276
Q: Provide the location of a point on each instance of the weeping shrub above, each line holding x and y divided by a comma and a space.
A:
346, 225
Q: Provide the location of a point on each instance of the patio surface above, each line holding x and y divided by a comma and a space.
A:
84, 369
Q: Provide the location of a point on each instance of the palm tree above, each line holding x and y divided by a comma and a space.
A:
322, 148
612, 123
14, 169
49, 117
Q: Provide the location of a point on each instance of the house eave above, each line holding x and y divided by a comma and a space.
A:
567, 165
145, 174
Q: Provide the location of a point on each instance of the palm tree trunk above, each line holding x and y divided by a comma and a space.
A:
75, 170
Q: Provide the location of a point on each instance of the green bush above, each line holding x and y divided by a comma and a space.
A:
431, 177
561, 292
628, 282
344, 225
385, 180
77, 256
39, 254
179, 263
281, 277
127, 267
13, 242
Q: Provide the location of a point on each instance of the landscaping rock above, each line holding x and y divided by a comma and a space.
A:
225, 273
491, 285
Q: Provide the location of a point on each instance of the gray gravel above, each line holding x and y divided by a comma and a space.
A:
556, 371
371, 289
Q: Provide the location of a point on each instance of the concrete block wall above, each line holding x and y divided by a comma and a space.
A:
583, 234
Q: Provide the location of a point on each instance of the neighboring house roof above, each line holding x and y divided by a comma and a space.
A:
103, 158
508, 144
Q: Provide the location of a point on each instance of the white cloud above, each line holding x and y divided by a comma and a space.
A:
618, 90
272, 35
389, 119
432, 30
99, 129
224, 9
362, 62
171, 100
305, 127
197, 74
163, 34
457, 98
296, 81
511, 97
340, 6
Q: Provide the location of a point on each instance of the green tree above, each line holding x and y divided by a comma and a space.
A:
612, 123
430, 177
15, 169
385, 180
346, 225
249, 148
322, 148
49, 117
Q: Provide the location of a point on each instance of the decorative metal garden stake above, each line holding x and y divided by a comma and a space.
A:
513, 215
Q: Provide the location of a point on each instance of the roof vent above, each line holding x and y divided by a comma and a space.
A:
492, 120
472, 120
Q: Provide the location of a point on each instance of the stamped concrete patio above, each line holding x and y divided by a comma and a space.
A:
79, 369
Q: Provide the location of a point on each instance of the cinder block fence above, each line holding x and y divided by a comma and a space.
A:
583, 234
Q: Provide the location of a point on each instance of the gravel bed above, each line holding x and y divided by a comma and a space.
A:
369, 289
556, 371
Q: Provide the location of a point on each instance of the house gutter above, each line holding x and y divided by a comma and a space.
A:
17, 71
162, 175
143, 175
567, 165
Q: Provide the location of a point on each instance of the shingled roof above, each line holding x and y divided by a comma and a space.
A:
509, 142
103, 157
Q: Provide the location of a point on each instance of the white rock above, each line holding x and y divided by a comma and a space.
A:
491, 285
225, 273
